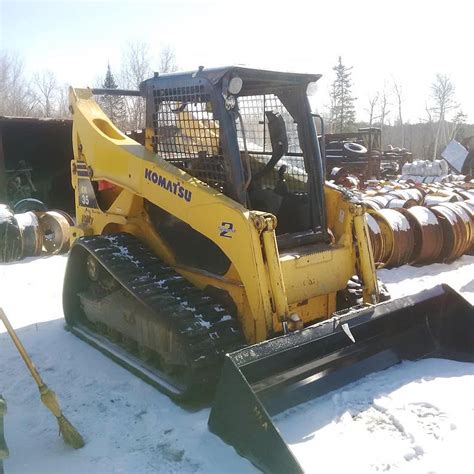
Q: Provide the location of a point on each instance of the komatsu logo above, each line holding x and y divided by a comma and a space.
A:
172, 187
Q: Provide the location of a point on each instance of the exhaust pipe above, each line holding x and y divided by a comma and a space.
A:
265, 379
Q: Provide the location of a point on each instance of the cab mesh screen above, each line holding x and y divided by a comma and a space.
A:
186, 134
259, 146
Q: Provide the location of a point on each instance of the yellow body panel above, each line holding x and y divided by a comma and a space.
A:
265, 286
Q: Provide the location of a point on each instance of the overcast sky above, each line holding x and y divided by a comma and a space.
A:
409, 41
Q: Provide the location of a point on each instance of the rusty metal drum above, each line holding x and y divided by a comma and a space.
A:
455, 235
55, 229
427, 234
397, 236
31, 238
376, 238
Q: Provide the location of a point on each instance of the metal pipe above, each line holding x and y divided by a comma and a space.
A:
122, 92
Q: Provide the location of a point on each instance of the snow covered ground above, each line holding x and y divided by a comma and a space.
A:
415, 417
408, 280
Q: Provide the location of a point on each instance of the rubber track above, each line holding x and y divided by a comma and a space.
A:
208, 330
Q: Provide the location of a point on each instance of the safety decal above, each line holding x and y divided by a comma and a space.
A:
86, 193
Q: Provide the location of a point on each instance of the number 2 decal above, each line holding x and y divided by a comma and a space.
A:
225, 229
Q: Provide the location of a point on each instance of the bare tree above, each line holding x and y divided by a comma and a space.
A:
167, 60
62, 110
46, 88
442, 93
429, 113
457, 125
15, 91
373, 100
397, 88
135, 64
384, 112
135, 69
429, 132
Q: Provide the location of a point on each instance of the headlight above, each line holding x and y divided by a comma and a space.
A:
311, 89
235, 85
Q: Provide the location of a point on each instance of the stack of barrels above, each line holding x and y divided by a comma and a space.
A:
420, 225
32, 233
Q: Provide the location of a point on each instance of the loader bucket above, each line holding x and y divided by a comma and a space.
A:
262, 380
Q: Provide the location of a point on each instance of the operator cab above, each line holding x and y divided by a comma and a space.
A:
250, 135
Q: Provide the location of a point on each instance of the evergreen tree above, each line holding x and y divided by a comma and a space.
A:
342, 102
113, 105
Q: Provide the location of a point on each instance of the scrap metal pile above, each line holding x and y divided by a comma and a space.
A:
360, 153
419, 224
32, 233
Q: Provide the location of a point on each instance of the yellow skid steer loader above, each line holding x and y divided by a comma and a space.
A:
216, 245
